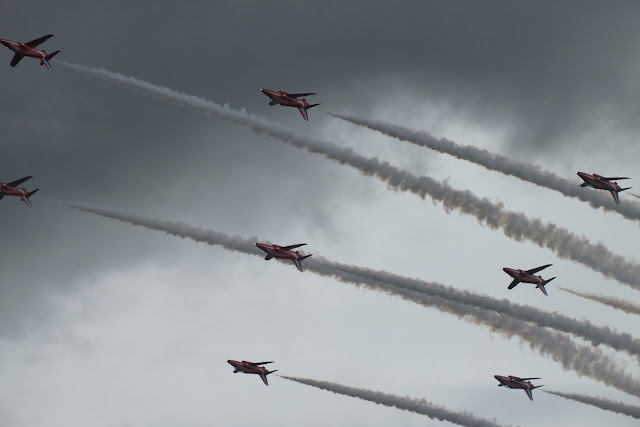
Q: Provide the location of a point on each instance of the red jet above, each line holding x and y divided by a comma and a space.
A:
516, 382
602, 183
29, 49
251, 368
290, 100
11, 189
528, 276
283, 252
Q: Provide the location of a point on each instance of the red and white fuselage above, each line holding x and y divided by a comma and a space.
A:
603, 183
286, 99
251, 368
21, 50
528, 276
517, 383
284, 252
11, 189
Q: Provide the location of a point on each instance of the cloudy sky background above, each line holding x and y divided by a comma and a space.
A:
106, 324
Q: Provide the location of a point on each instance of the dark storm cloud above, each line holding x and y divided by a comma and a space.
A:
543, 69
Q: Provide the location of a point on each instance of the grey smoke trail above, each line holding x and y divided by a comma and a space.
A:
405, 403
499, 163
584, 329
623, 305
635, 195
602, 403
514, 225
583, 360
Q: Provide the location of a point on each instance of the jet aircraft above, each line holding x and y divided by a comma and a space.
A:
251, 368
290, 100
528, 276
11, 189
603, 183
516, 382
284, 252
29, 49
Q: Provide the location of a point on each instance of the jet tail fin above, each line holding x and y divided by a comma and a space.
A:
27, 196
542, 288
31, 193
51, 55
615, 193
303, 110
45, 60
298, 261
264, 377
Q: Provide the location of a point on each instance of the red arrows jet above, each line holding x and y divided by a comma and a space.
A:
528, 276
283, 252
29, 49
290, 100
11, 189
251, 368
602, 183
516, 382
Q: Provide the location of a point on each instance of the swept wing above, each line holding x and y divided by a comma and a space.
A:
39, 40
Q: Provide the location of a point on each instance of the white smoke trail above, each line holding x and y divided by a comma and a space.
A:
514, 225
405, 403
626, 306
583, 360
601, 402
499, 163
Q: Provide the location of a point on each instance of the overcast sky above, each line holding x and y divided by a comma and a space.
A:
105, 324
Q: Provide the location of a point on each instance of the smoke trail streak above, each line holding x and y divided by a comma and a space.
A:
619, 304
405, 403
514, 225
583, 360
584, 329
602, 403
497, 162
